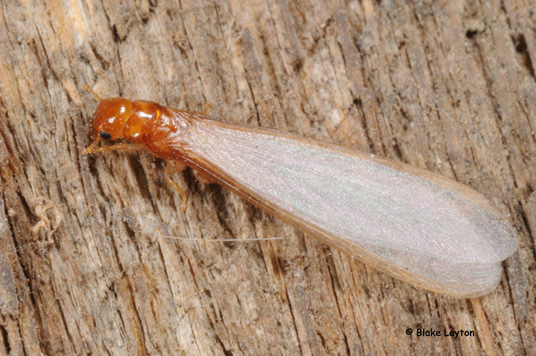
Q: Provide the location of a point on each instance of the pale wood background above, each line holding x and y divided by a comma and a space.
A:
445, 85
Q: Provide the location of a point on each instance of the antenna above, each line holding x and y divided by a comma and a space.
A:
89, 90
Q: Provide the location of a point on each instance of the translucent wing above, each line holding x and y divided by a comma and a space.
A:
412, 224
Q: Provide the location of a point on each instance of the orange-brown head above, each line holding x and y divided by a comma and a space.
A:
111, 116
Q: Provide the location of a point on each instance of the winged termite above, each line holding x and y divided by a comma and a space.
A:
412, 224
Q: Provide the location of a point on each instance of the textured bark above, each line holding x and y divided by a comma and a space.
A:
85, 264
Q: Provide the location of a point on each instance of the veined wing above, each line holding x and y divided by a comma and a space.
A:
412, 224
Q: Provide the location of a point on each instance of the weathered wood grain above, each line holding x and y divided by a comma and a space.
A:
85, 264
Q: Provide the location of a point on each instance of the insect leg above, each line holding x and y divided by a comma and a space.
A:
176, 167
117, 147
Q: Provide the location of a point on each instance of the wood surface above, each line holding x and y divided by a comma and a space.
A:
87, 264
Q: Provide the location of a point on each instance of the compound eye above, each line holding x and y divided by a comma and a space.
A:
105, 135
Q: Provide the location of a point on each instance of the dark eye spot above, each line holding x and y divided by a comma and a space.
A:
105, 135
